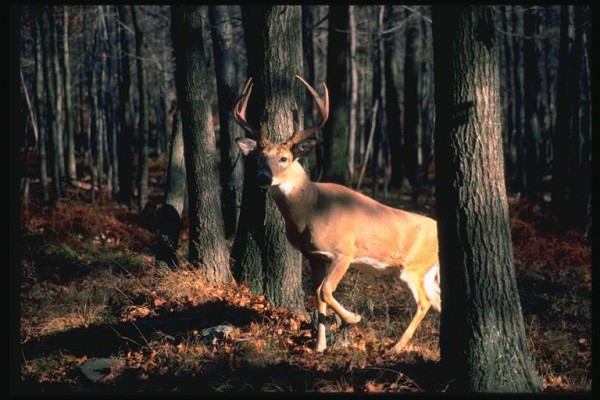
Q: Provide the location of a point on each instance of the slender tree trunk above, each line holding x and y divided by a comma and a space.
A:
352, 128
532, 87
508, 94
50, 94
261, 254
335, 133
579, 216
111, 100
57, 78
313, 163
125, 138
411, 104
562, 137
169, 215
392, 104
140, 52
231, 168
482, 335
427, 109
40, 107
207, 237
70, 132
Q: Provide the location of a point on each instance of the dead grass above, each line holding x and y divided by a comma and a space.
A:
87, 269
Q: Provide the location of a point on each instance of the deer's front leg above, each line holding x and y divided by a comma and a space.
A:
338, 269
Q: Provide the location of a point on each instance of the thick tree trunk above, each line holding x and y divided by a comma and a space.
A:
169, 215
261, 254
207, 236
140, 52
125, 137
335, 132
482, 335
231, 168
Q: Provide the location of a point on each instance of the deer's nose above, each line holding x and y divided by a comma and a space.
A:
264, 179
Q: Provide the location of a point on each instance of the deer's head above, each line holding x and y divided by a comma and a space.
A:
277, 162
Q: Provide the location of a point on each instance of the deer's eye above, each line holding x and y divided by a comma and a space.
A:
283, 159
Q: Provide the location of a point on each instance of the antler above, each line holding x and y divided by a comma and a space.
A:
239, 114
299, 136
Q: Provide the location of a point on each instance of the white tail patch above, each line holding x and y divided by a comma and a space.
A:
431, 281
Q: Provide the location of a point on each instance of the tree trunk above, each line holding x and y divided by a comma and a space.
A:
520, 175
482, 335
579, 215
532, 87
231, 169
562, 138
392, 104
411, 104
353, 91
140, 52
207, 237
59, 89
313, 163
70, 131
262, 256
427, 109
111, 100
335, 132
40, 106
169, 215
125, 137
508, 95
50, 95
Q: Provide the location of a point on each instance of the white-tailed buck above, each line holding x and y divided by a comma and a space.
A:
336, 228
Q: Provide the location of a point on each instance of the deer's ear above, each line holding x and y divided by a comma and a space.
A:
302, 149
247, 146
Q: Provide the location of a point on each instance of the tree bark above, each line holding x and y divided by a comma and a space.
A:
562, 137
50, 94
482, 334
411, 104
335, 132
532, 87
40, 107
140, 52
392, 104
262, 256
207, 247
125, 137
70, 131
228, 78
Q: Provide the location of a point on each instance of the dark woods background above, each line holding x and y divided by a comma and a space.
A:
127, 147
98, 99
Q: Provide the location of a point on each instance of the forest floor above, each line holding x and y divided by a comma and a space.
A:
91, 291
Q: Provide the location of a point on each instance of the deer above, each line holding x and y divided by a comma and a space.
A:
337, 228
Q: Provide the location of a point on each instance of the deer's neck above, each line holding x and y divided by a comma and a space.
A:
295, 198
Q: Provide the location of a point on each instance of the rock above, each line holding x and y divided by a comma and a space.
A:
211, 336
96, 370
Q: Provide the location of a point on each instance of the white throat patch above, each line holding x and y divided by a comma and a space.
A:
286, 187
